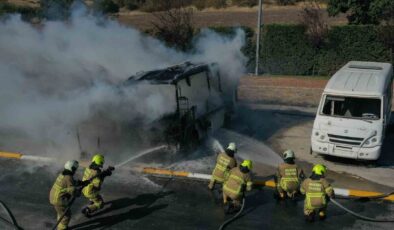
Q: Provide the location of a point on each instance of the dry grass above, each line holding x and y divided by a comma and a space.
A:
29, 3
232, 17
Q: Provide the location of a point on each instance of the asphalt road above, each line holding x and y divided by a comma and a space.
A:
138, 202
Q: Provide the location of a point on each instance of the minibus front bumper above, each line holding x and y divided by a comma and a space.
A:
372, 153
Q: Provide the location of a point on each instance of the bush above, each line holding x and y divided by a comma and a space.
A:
202, 4
174, 26
249, 3
153, 5
27, 13
130, 4
107, 6
56, 9
287, 2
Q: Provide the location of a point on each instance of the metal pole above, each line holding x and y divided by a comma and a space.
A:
258, 38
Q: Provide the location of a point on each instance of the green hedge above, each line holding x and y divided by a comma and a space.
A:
286, 49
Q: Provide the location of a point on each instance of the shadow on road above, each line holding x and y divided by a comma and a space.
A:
263, 123
144, 201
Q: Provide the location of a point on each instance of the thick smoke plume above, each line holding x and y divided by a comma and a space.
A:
58, 76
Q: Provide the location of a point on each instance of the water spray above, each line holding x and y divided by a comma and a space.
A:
217, 147
140, 155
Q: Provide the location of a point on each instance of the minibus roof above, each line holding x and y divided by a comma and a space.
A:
360, 79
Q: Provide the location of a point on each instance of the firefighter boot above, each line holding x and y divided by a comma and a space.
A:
211, 185
86, 212
322, 215
310, 217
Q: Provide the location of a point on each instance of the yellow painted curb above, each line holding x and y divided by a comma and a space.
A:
164, 172
360, 193
269, 183
10, 155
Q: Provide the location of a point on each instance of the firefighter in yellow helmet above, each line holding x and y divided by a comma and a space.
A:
317, 192
288, 177
224, 163
239, 180
62, 191
91, 191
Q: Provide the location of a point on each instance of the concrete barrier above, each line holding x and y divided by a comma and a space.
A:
269, 183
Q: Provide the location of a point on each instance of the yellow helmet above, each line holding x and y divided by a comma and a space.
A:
248, 164
319, 169
98, 159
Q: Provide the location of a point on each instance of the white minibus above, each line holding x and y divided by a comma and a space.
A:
354, 111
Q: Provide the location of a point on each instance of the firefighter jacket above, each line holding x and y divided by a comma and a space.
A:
236, 183
315, 192
289, 177
93, 188
62, 190
224, 163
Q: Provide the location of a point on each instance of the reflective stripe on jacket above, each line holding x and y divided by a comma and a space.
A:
235, 183
288, 177
223, 164
62, 190
315, 193
93, 188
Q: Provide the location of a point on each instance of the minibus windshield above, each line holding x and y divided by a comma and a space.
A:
352, 107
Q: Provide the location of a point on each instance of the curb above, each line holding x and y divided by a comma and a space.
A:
352, 193
270, 183
20, 156
10, 155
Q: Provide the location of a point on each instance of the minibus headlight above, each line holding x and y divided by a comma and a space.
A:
374, 140
316, 133
371, 141
322, 137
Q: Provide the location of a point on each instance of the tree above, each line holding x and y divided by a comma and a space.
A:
174, 25
56, 9
106, 6
363, 11
314, 22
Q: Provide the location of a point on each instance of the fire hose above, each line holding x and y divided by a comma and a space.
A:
235, 216
358, 215
12, 222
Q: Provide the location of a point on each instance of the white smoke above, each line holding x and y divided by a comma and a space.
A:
59, 75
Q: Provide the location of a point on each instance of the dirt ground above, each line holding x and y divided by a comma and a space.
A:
281, 90
231, 17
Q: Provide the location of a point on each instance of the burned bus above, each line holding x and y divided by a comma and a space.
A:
198, 99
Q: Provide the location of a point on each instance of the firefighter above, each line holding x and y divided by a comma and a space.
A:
317, 192
239, 180
62, 191
288, 177
91, 191
224, 163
